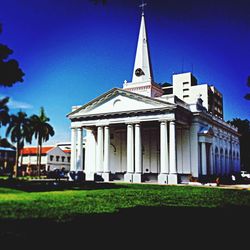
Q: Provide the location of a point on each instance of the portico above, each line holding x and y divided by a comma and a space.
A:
149, 149
129, 145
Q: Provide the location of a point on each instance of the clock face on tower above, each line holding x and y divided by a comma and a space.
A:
139, 72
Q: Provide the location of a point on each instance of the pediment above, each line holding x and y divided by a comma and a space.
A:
119, 101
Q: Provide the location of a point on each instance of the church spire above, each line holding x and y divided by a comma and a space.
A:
142, 67
142, 81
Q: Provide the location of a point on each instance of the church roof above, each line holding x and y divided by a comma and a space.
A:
146, 103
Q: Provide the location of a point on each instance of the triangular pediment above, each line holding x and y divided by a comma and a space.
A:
119, 101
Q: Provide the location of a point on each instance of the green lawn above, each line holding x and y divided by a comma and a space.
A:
62, 206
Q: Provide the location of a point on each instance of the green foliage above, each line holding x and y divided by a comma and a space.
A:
4, 112
65, 205
41, 130
4, 120
244, 130
10, 73
19, 131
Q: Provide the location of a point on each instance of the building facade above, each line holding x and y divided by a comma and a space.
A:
148, 132
52, 157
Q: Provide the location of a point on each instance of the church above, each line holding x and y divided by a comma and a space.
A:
147, 132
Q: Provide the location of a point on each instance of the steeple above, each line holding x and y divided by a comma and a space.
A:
142, 80
142, 67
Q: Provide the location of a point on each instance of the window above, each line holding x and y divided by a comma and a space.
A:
63, 157
185, 89
185, 96
51, 157
185, 83
68, 158
57, 158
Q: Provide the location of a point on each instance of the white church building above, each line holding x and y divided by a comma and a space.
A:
150, 132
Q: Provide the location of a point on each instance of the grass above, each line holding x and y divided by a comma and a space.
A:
49, 213
71, 202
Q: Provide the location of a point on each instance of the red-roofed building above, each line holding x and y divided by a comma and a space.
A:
53, 157
33, 150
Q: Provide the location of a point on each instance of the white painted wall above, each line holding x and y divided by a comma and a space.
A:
119, 103
194, 92
47, 161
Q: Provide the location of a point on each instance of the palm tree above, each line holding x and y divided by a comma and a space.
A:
4, 117
4, 112
42, 130
20, 132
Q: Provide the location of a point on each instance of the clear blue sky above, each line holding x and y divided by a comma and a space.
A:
73, 50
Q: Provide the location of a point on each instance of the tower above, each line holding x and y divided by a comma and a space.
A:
142, 80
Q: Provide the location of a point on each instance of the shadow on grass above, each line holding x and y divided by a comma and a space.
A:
54, 185
147, 225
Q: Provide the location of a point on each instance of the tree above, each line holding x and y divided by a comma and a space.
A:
4, 120
247, 96
4, 117
19, 132
42, 130
4, 112
10, 73
244, 131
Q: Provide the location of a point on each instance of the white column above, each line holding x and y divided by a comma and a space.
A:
194, 149
203, 158
106, 150
138, 155
130, 154
239, 167
106, 167
172, 178
79, 166
163, 176
99, 149
130, 149
211, 160
90, 155
73, 150
164, 148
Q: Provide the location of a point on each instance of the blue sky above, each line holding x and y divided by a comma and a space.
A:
73, 50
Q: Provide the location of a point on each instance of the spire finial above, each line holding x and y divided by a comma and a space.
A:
142, 6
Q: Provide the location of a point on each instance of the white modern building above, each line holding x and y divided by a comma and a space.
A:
142, 132
52, 157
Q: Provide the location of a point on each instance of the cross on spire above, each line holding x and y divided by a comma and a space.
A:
142, 6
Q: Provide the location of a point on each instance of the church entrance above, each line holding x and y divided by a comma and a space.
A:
150, 151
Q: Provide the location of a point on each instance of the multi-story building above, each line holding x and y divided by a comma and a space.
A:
52, 157
185, 87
